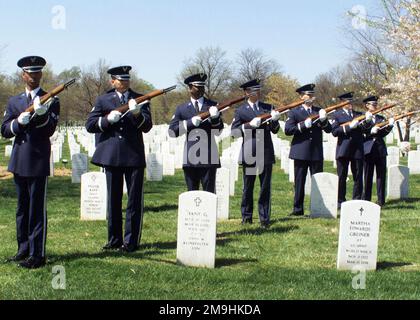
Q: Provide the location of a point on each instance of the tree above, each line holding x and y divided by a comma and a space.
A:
253, 64
211, 61
281, 88
390, 48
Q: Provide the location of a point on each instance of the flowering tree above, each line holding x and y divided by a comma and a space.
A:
389, 45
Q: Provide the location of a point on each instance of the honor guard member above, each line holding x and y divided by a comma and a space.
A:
120, 151
306, 148
349, 147
375, 153
247, 124
30, 161
201, 155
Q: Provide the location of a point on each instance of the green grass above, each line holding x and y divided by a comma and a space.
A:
295, 259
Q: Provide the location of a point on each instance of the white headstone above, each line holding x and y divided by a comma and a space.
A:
168, 165
154, 167
324, 193
291, 170
390, 138
8, 151
55, 149
93, 196
393, 157
51, 164
359, 234
79, 166
223, 192
308, 184
397, 182
414, 162
196, 239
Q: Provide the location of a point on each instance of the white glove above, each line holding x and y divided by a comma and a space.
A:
391, 122
114, 117
41, 109
255, 123
308, 123
369, 116
374, 130
214, 112
134, 107
322, 115
24, 118
196, 121
275, 115
354, 124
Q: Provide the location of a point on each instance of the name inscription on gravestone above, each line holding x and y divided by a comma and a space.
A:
93, 196
196, 243
359, 234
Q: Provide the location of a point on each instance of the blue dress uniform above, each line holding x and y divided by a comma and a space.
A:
349, 150
250, 155
30, 165
306, 148
201, 155
375, 153
120, 151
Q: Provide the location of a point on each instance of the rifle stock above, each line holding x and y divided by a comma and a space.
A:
396, 118
330, 109
51, 94
267, 116
153, 94
363, 117
222, 106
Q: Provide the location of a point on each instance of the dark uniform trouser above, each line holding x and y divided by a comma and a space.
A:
301, 171
372, 161
264, 201
31, 215
205, 175
134, 215
357, 172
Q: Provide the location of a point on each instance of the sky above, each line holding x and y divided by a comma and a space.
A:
156, 37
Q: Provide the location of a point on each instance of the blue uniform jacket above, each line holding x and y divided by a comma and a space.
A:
119, 144
32, 147
243, 115
350, 142
307, 143
376, 143
181, 123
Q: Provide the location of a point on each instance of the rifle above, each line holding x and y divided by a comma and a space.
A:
267, 116
385, 124
363, 117
222, 107
124, 109
328, 110
51, 94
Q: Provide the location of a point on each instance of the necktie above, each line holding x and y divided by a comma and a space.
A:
310, 111
29, 98
351, 114
123, 100
197, 107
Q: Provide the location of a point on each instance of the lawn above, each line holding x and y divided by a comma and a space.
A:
294, 259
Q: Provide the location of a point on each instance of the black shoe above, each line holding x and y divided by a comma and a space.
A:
296, 214
246, 221
265, 225
128, 249
33, 263
109, 247
17, 258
